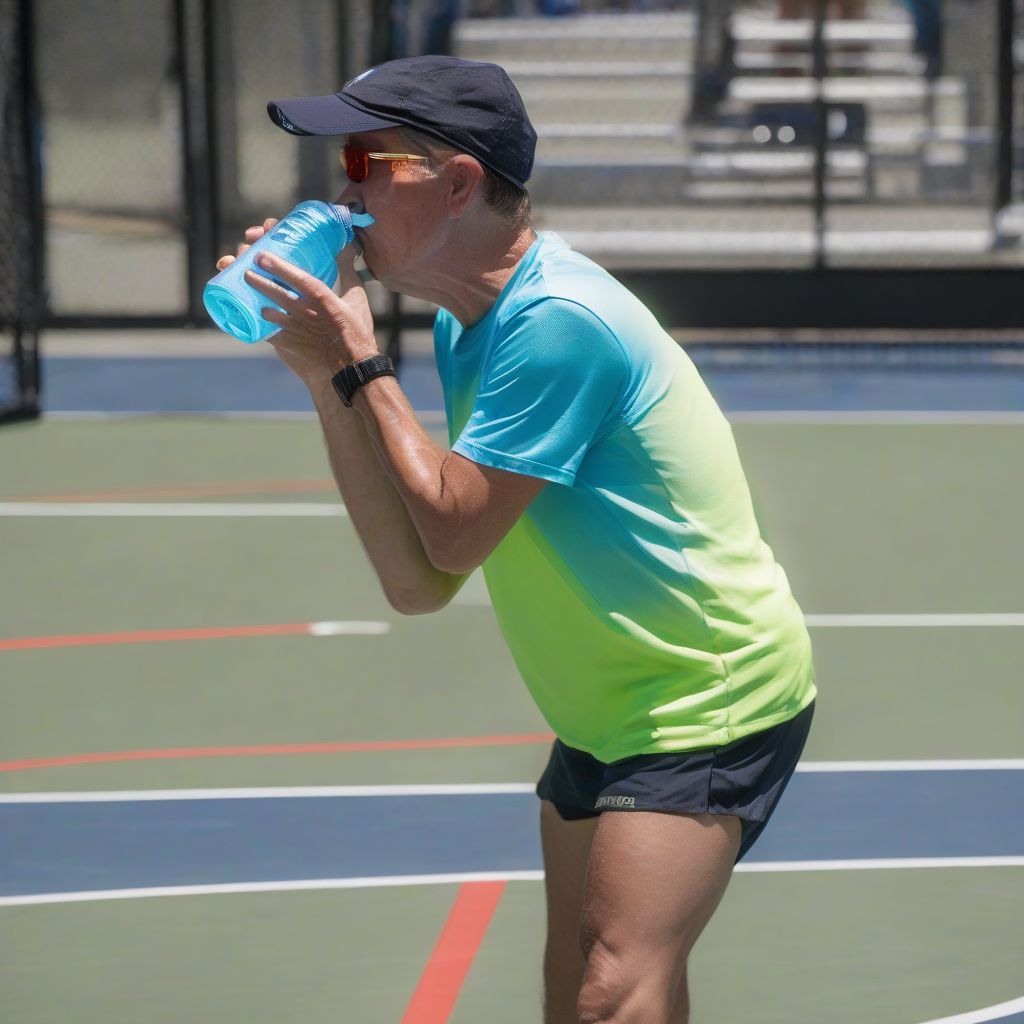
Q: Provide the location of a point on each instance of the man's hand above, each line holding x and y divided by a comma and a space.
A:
321, 331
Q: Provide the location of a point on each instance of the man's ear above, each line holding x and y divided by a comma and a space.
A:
465, 177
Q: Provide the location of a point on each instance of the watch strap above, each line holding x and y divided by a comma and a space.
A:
350, 379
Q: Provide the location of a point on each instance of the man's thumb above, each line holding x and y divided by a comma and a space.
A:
348, 277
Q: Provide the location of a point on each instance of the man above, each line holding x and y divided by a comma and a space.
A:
593, 477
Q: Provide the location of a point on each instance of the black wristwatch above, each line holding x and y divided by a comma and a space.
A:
355, 375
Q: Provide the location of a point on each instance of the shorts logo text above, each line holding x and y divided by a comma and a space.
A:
615, 801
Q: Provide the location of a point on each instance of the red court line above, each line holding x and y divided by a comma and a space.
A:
353, 747
149, 636
196, 490
439, 986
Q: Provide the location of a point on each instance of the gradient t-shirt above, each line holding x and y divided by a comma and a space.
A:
641, 605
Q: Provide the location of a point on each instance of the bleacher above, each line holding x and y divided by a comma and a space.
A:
627, 173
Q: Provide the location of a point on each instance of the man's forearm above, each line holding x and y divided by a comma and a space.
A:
460, 509
380, 516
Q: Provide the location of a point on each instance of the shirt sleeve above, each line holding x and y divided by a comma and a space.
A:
554, 383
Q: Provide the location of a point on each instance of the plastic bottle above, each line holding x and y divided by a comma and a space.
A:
311, 236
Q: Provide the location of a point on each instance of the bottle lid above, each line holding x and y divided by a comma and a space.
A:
359, 220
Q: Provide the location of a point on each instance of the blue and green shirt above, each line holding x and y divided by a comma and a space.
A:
641, 605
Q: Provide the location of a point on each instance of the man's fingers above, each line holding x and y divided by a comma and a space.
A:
297, 311
291, 324
253, 234
275, 316
273, 291
293, 276
348, 277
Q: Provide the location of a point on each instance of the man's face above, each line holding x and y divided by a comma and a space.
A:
407, 205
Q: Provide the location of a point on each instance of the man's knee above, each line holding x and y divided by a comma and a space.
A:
604, 989
620, 989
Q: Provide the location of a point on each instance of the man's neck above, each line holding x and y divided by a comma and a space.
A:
468, 281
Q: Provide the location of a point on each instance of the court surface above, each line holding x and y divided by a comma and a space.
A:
235, 786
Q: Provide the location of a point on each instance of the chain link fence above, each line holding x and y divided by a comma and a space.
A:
675, 136
112, 171
19, 363
158, 150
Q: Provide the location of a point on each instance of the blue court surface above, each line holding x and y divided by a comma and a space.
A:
222, 384
94, 844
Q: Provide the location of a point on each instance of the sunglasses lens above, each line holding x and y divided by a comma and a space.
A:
357, 164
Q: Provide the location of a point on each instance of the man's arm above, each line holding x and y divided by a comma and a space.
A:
460, 509
425, 515
410, 582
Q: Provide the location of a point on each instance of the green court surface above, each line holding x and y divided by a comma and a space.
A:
885, 520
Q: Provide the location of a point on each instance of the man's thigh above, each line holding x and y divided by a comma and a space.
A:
566, 846
653, 882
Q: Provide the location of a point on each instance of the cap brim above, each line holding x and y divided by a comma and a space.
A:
323, 115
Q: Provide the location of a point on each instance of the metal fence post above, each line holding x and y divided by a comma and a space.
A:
22, 301
1003, 191
820, 133
193, 30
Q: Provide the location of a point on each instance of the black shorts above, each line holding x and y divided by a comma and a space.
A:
745, 778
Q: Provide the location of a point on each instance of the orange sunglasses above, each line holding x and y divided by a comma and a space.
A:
356, 161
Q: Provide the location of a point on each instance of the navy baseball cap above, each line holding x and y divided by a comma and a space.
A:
467, 104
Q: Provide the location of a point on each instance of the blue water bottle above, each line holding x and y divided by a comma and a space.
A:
311, 236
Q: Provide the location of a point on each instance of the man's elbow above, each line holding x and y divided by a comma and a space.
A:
406, 602
419, 600
453, 555
455, 565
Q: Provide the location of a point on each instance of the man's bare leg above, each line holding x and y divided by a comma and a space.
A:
653, 882
566, 846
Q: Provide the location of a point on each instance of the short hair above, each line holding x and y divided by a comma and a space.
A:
507, 201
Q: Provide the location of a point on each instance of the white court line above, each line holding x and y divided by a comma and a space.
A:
190, 509
269, 792
986, 1013
429, 417
455, 788
873, 418
925, 620
880, 864
387, 881
947, 765
302, 885
91, 415
349, 628
795, 417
